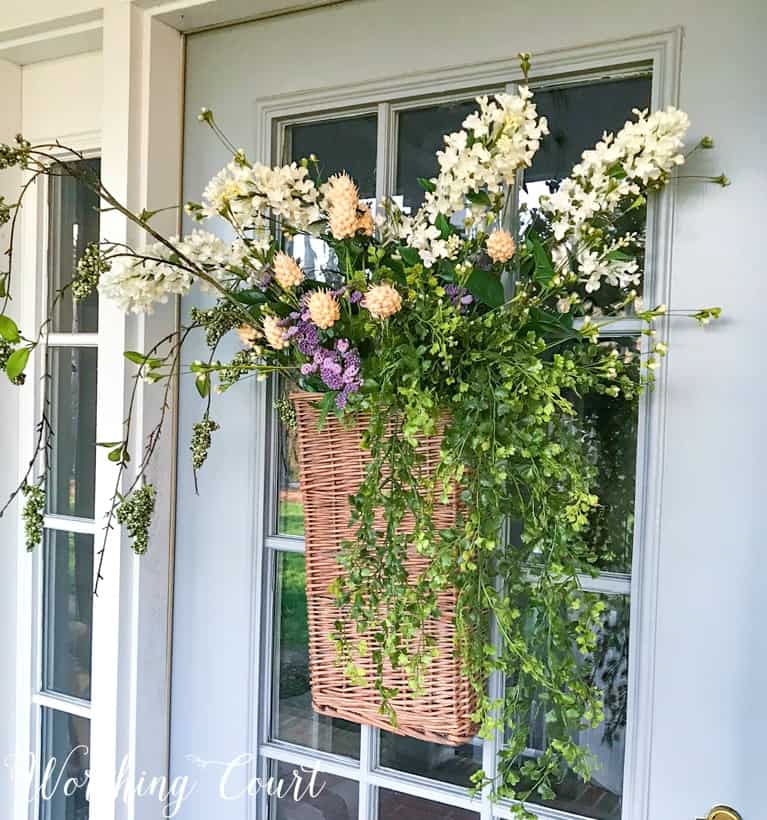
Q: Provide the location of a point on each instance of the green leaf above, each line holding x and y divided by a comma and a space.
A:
108, 443
619, 256
444, 227
116, 454
479, 198
16, 363
252, 296
9, 330
325, 405
486, 286
134, 356
3, 291
202, 383
552, 325
544, 271
427, 185
410, 256
447, 270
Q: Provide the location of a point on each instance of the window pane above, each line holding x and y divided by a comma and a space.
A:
601, 797
578, 116
448, 764
68, 613
73, 419
349, 145
419, 137
73, 224
293, 718
338, 798
64, 766
290, 509
610, 430
397, 806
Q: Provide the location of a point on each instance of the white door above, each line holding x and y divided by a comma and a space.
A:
370, 87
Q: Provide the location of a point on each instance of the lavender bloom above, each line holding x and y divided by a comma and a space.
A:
459, 296
356, 297
308, 368
342, 346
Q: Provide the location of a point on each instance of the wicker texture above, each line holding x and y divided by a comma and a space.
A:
332, 466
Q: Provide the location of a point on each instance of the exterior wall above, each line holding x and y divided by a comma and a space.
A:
63, 97
712, 558
10, 123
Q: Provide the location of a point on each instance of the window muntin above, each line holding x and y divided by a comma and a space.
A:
407, 768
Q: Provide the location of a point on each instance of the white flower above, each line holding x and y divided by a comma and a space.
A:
245, 195
640, 157
136, 285
475, 166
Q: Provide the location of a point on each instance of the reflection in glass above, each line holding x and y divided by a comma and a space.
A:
448, 764
290, 509
578, 116
74, 224
72, 395
68, 615
293, 718
347, 144
338, 797
65, 757
601, 797
610, 431
420, 135
398, 806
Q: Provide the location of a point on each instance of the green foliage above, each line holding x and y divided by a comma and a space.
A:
33, 514
135, 513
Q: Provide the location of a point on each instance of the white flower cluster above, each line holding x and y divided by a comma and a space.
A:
619, 168
247, 194
136, 284
476, 165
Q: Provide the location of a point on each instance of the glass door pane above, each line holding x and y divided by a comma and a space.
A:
68, 613
397, 806
293, 719
336, 797
64, 766
72, 395
74, 224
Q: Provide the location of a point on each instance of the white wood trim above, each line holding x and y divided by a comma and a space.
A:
649, 485
73, 340
141, 162
30, 404
62, 703
68, 523
647, 50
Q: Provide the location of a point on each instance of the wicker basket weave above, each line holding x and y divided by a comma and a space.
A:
332, 466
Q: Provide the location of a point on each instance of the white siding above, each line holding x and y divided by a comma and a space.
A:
10, 123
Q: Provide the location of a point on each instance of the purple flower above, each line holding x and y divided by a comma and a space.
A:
342, 346
308, 338
308, 368
356, 297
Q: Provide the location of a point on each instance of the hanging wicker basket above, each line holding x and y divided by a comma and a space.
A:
332, 466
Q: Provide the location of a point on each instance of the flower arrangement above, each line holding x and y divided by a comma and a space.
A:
445, 313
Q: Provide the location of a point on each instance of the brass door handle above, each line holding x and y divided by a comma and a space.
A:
722, 813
